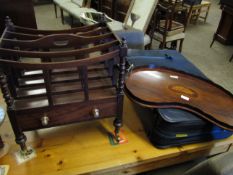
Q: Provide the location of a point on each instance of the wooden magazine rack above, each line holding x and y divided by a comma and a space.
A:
51, 78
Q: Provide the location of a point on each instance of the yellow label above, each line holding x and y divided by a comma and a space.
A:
181, 135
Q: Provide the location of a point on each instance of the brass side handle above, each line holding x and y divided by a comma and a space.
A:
44, 120
96, 113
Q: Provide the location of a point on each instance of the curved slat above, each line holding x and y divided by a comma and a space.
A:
24, 36
56, 41
57, 65
56, 54
49, 32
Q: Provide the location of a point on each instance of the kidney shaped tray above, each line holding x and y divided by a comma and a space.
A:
169, 88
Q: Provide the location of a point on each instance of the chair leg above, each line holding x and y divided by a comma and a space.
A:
197, 17
55, 9
174, 45
213, 40
148, 47
231, 58
62, 15
162, 45
208, 8
181, 45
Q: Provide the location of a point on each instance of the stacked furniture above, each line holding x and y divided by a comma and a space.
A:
115, 9
136, 20
51, 78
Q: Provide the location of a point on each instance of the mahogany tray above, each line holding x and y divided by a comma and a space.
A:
169, 88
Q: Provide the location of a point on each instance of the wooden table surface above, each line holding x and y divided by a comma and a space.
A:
84, 149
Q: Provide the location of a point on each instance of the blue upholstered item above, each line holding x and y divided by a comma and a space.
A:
135, 39
163, 58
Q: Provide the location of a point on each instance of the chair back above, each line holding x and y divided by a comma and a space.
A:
162, 20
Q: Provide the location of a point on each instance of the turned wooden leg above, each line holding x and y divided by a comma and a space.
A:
20, 138
118, 124
118, 120
55, 9
120, 90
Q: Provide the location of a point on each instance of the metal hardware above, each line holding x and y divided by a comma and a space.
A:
44, 120
129, 68
61, 43
96, 113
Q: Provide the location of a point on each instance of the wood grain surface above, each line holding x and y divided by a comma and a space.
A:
84, 148
167, 88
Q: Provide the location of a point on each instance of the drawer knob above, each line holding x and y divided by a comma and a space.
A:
45, 120
96, 113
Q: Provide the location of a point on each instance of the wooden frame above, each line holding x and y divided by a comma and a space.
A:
61, 91
144, 9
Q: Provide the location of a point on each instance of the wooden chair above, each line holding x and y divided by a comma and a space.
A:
165, 29
199, 11
180, 10
54, 80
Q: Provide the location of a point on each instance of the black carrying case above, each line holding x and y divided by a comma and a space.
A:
173, 127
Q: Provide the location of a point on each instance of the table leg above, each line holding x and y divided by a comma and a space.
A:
62, 15
55, 9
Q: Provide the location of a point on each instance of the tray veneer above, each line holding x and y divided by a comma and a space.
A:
169, 88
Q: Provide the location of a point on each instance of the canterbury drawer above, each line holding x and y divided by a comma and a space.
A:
66, 114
